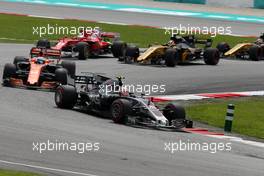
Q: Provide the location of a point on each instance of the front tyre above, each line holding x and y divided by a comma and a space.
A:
171, 57
9, 71
211, 56
18, 59
173, 112
118, 49
254, 53
132, 53
120, 108
83, 49
65, 96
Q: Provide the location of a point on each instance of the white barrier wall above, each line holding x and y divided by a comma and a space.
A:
231, 3
228, 3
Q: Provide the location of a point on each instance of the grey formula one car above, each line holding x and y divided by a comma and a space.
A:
88, 93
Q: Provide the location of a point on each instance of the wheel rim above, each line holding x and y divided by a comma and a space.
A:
116, 110
58, 97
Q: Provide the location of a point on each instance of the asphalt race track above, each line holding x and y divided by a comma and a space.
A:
31, 116
127, 17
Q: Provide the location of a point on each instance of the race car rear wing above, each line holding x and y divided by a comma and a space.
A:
90, 78
206, 42
112, 35
45, 52
83, 79
191, 39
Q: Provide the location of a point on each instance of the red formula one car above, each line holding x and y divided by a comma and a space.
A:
87, 44
40, 71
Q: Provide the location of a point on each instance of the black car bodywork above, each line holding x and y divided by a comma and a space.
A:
88, 93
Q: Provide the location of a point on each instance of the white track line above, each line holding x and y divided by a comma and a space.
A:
49, 17
107, 22
238, 139
45, 168
4, 38
200, 96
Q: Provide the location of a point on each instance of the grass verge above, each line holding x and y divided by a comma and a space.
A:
248, 118
16, 173
20, 28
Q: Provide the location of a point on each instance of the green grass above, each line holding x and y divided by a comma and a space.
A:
16, 173
21, 27
249, 114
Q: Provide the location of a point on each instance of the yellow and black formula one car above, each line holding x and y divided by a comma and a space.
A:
178, 50
252, 51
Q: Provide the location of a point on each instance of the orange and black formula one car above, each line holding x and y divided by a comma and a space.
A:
39, 71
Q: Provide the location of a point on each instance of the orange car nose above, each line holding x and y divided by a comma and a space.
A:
34, 73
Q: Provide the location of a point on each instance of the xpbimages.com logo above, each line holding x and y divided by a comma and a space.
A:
58, 146
211, 147
145, 89
196, 30
62, 30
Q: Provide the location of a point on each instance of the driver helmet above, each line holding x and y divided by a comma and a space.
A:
171, 43
259, 41
40, 60
97, 31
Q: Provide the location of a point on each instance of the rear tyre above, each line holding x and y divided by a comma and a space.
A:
43, 43
120, 108
132, 53
171, 57
118, 49
61, 76
9, 71
65, 96
70, 67
223, 47
18, 59
83, 49
211, 56
254, 53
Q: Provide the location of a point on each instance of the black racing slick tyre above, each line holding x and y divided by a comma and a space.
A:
254, 53
132, 53
61, 76
120, 108
18, 59
171, 57
65, 96
9, 71
211, 56
70, 67
43, 43
83, 49
174, 111
118, 49
223, 47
